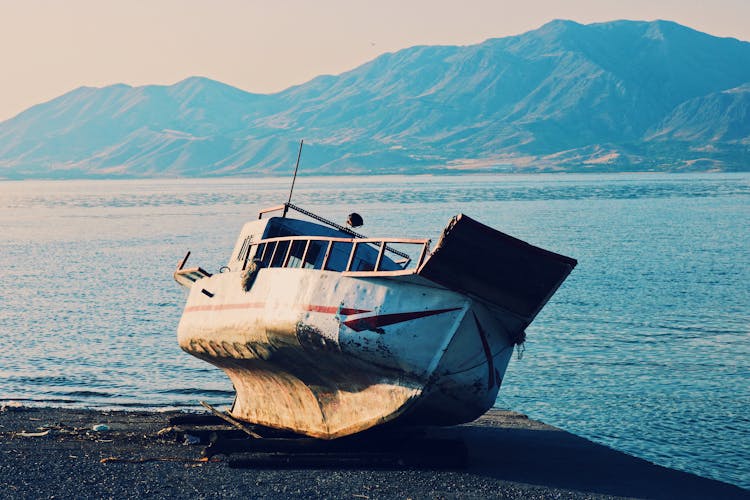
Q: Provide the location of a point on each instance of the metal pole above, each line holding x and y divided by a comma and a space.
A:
299, 154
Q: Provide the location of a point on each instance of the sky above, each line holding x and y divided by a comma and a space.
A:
49, 47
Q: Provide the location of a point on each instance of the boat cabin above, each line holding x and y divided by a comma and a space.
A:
295, 243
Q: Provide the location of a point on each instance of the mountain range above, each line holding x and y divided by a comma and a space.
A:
615, 96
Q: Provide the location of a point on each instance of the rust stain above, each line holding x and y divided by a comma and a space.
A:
311, 338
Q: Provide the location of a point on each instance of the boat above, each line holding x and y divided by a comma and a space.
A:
327, 333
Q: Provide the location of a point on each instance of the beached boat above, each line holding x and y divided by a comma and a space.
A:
327, 333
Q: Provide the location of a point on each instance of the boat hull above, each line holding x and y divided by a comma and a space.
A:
328, 355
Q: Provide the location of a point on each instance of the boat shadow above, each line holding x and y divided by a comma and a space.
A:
500, 446
550, 457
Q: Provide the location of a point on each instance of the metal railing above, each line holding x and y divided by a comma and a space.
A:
274, 246
286, 206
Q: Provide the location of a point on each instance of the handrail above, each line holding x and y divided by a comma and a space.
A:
286, 206
338, 239
271, 209
381, 243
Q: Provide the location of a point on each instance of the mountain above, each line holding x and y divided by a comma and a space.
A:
718, 117
121, 130
599, 97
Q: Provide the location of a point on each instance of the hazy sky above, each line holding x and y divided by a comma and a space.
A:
50, 47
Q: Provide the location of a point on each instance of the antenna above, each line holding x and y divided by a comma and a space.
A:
299, 155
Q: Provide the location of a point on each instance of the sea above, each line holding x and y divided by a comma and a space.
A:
645, 348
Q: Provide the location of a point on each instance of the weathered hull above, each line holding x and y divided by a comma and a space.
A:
328, 355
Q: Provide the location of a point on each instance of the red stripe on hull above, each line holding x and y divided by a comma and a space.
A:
344, 311
226, 307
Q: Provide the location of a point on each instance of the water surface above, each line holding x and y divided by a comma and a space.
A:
646, 347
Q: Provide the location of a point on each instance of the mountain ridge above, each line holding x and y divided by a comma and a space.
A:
631, 95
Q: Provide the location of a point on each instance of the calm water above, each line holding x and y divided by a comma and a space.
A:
645, 348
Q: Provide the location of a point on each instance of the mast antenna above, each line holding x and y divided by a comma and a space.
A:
299, 155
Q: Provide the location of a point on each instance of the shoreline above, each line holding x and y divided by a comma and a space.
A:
47, 452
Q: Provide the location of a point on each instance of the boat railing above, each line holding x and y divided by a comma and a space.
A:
287, 206
304, 251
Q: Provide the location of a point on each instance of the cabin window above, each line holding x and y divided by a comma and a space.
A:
364, 258
315, 253
264, 253
323, 254
274, 253
279, 253
296, 254
339, 256
258, 253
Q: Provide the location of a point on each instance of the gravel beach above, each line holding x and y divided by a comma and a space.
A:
57, 453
